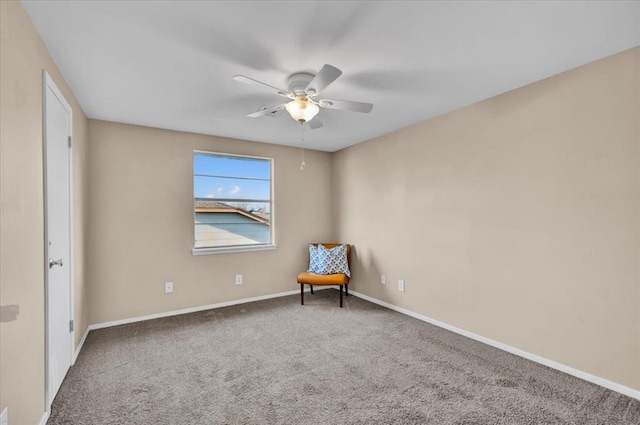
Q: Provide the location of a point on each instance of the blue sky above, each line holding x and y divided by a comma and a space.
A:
229, 186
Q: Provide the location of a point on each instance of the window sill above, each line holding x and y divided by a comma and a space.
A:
231, 249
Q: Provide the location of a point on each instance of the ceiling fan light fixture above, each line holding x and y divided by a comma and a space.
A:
302, 109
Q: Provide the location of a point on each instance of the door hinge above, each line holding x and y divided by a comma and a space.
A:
70, 325
69, 141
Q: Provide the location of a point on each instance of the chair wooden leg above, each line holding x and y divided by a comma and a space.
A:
341, 295
302, 294
346, 289
311, 289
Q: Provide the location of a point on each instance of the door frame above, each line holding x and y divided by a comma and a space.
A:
49, 84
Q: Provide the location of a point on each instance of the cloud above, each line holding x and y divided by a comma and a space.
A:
235, 190
219, 190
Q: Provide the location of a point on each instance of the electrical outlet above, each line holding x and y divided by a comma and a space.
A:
168, 287
383, 279
4, 417
401, 285
238, 279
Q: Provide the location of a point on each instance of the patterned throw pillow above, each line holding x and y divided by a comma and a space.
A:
316, 258
334, 260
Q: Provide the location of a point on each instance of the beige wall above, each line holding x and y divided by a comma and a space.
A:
141, 209
517, 218
23, 56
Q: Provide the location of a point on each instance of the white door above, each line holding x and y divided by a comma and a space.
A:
57, 138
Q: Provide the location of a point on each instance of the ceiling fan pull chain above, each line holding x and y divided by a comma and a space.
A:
302, 164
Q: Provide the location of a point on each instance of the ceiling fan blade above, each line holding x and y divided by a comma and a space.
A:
315, 123
346, 105
266, 111
252, 82
327, 75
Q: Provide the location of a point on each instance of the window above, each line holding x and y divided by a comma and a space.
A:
233, 203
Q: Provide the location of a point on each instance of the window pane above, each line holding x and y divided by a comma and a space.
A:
232, 200
231, 166
231, 188
228, 232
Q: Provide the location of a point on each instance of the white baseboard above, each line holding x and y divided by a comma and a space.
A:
195, 309
44, 419
79, 347
518, 352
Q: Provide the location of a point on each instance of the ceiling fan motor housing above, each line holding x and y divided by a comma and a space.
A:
298, 82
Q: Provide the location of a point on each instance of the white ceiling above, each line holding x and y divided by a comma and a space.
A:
169, 64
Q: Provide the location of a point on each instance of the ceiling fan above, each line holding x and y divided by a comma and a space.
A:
303, 91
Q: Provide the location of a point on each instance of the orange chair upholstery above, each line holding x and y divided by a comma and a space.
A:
337, 279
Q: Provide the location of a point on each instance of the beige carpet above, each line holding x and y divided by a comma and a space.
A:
277, 362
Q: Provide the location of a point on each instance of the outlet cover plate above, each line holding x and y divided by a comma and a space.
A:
401, 285
168, 287
383, 279
239, 279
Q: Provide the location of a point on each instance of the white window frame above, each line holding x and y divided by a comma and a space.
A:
236, 248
